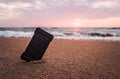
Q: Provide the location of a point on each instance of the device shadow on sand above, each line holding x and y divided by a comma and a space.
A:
42, 61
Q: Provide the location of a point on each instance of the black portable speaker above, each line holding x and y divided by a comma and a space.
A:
37, 46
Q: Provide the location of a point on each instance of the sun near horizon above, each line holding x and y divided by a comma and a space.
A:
76, 23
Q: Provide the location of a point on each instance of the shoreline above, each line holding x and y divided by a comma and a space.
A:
55, 38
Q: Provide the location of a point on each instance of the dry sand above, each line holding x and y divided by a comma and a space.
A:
64, 59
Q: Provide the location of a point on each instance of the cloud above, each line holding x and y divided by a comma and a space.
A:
12, 9
58, 2
81, 3
15, 5
97, 3
5, 14
105, 4
38, 4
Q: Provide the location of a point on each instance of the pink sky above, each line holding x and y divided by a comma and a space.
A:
60, 13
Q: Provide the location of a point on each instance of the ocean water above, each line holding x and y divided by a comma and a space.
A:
66, 33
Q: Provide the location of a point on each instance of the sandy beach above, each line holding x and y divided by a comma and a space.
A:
64, 59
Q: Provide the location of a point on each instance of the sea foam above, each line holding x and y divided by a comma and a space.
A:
62, 33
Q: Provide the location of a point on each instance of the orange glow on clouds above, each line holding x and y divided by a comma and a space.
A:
109, 22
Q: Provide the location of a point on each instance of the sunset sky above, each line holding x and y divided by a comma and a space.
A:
60, 13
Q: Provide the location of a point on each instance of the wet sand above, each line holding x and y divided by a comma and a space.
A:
64, 59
